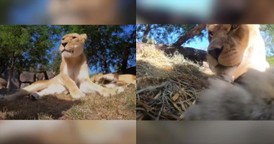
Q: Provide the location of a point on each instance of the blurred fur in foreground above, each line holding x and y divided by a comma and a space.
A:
205, 132
68, 132
250, 98
67, 11
84, 11
205, 11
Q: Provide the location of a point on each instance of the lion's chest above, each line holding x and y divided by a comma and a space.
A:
72, 72
75, 73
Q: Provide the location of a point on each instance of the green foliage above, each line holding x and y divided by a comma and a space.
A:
166, 33
270, 60
26, 47
268, 35
35, 48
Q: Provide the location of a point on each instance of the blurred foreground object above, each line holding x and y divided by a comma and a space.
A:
205, 132
249, 98
205, 11
68, 12
68, 132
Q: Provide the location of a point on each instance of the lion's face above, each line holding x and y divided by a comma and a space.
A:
227, 44
72, 45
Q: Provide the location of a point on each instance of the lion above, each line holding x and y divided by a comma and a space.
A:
114, 79
234, 48
73, 76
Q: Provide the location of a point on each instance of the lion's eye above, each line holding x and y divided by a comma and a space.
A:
210, 34
63, 38
74, 37
234, 26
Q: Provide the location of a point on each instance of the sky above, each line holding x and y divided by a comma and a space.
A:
198, 43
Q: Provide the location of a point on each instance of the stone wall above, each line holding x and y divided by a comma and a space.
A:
25, 78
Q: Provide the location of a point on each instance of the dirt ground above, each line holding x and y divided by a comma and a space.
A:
62, 107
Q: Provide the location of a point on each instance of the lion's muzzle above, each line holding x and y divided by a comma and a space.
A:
215, 52
69, 51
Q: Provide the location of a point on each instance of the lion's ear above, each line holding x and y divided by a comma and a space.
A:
84, 36
207, 26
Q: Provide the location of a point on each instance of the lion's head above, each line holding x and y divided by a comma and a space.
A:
72, 45
233, 48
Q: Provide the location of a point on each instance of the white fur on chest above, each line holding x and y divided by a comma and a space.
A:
76, 73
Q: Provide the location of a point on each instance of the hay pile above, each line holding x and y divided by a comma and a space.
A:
166, 86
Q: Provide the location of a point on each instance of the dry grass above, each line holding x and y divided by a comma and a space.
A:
92, 107
167, 86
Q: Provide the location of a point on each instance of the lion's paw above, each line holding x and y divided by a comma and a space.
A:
111, 91
120, 89
77, 94
35, 96
105, 93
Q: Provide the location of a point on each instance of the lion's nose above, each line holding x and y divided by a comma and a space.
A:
215, 52
64, 44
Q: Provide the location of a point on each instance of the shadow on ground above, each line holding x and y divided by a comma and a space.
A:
50, 107
62, 107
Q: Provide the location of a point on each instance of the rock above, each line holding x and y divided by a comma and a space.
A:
50, 74
192, 54
3, 83
40, 76
27, 77
24, 85
14, 82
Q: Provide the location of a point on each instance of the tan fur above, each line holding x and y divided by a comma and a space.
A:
68, 132
83, 11
118, 79
127, 78
73, 77
251, 98
242, 48
96, 78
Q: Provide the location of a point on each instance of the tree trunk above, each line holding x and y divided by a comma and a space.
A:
145, 37
190, 34
105, 64
10, 72
125, 59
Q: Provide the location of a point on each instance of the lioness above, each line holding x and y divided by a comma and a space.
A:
116, 79
73, 77
233, 48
